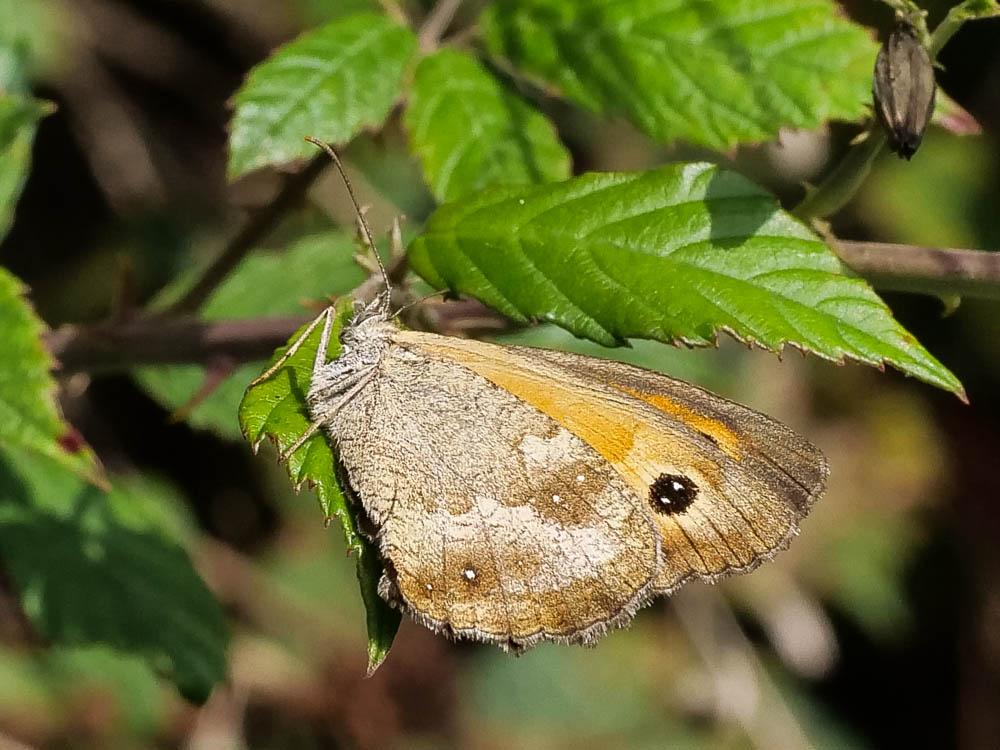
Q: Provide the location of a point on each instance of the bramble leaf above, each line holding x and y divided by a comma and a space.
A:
19, 117
95, 568
676, 254
275, 410
714, 74
329, 83
471, 132
29, 414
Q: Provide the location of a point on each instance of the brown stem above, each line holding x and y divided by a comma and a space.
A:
928, 270
185, 340
257, 227
145, 341
437, 22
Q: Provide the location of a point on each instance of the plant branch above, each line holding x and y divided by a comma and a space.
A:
159, 341
970, 10
927, 270
744, 691
256, 229
119, 345
392, 9
838, 187
436, 23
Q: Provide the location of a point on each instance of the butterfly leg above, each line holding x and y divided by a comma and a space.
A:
327, 314
325, 417
324, 341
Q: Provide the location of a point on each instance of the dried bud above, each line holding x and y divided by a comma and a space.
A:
904, 89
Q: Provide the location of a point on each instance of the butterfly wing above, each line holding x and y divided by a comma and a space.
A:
495, 522
725, 486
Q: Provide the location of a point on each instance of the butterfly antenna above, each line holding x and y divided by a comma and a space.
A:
360, 214
416, 302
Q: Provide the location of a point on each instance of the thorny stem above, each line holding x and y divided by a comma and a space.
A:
837, 189
118, 345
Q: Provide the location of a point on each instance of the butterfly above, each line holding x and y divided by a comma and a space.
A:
519, 495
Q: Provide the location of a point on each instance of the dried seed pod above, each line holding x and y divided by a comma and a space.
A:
904, 89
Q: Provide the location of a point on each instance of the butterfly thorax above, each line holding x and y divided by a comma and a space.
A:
364, 341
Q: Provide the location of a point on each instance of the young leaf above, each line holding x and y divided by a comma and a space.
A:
101, 569
676, 254
29, 415
329, 83
275, 409
715, 74
470, 131
18, 118
264, 284
953, 117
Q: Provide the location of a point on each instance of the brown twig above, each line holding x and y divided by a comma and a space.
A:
144, 341
437, 23
257, 227
927, 270
186, 339
123, 344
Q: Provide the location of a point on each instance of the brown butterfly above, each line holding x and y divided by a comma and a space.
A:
522, 495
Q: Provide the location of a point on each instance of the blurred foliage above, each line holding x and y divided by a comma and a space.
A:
202, 567
276, 283
96, 568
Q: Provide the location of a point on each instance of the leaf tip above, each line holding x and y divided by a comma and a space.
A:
377, 653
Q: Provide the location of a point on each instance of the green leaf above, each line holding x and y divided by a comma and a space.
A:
275, 409
101, 569
19, 117
470, 131
29, 414
329, 83
266, 283
675, 254
35, 37
715, 74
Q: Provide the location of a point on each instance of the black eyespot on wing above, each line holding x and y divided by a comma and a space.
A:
672, 493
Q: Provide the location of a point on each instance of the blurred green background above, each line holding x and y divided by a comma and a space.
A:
880, 627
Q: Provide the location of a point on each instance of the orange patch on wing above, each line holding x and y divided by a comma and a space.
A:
607, 433
726, 439
625, 438
585, 414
